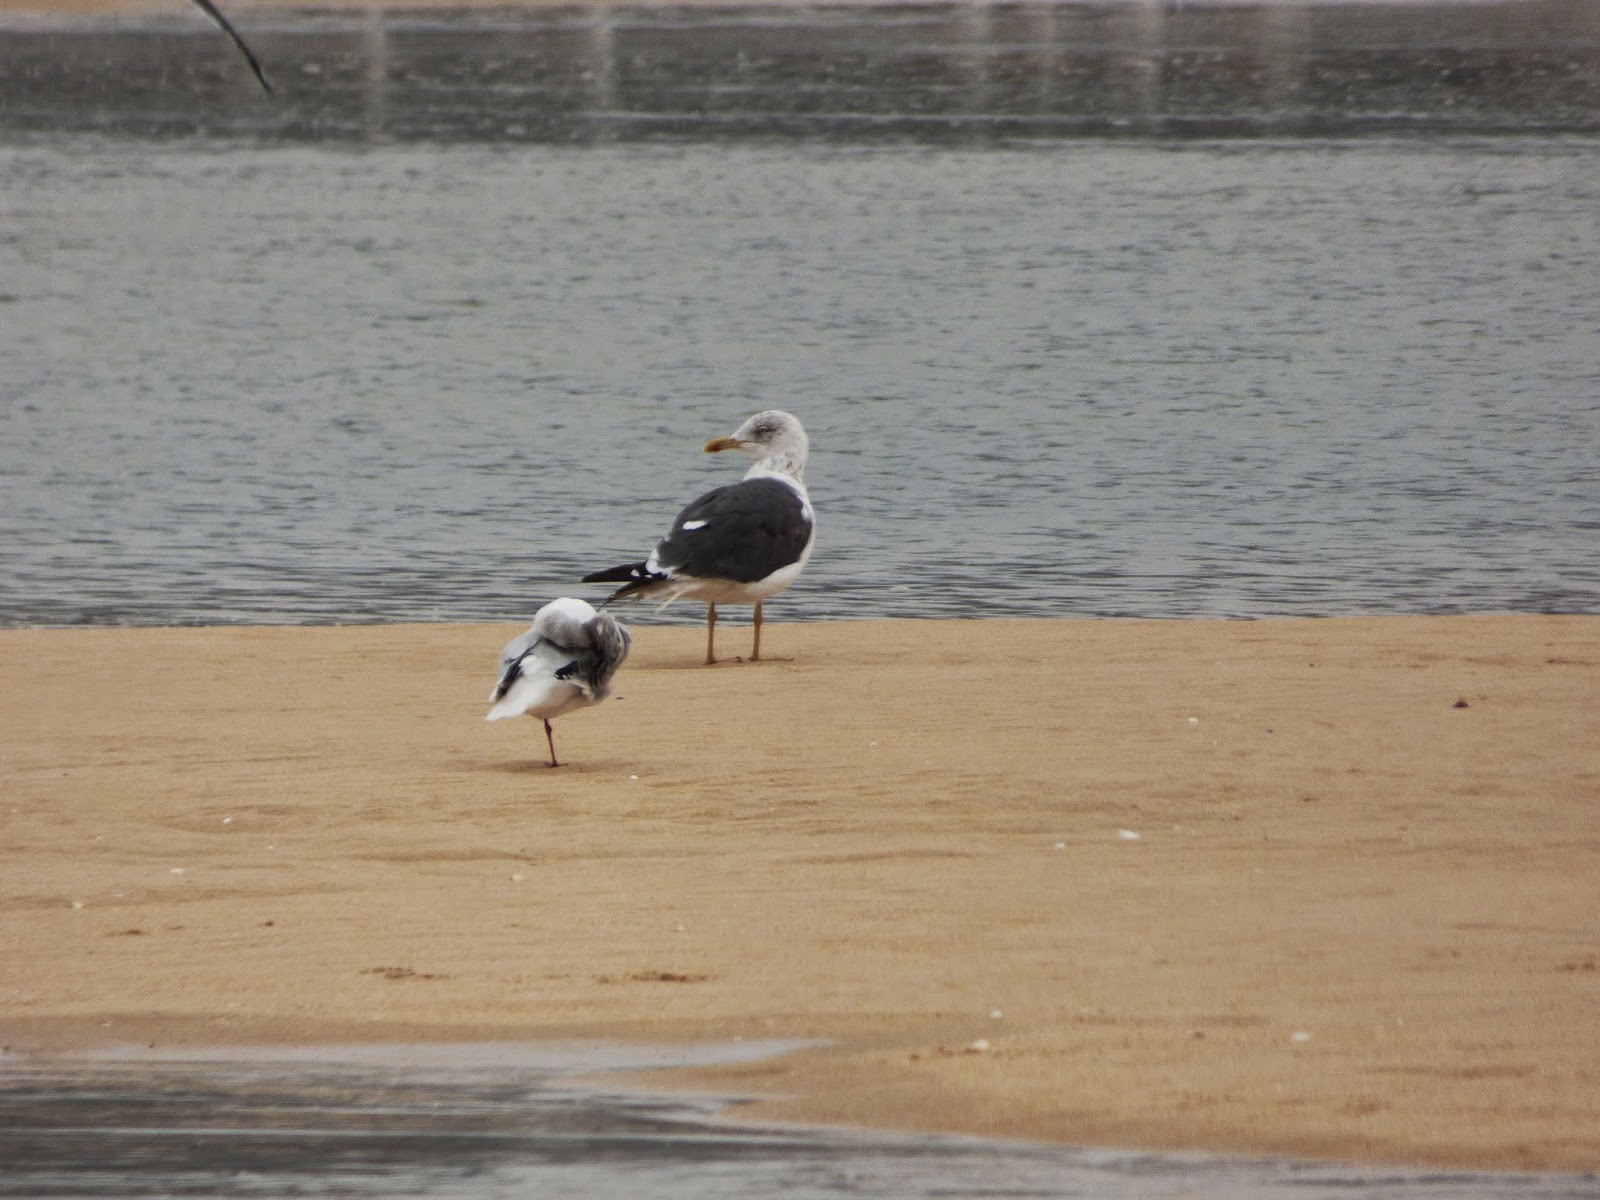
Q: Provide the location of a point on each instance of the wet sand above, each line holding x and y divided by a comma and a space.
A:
1358, 918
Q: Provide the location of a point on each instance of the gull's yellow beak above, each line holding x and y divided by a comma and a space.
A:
722, 443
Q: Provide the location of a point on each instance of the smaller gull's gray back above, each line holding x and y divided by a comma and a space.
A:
608, 646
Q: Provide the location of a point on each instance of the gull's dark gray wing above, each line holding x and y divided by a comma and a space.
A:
743, 532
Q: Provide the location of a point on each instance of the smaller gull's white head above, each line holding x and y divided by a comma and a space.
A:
562, 614
774, 438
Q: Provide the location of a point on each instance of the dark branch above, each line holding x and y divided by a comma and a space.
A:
215, 13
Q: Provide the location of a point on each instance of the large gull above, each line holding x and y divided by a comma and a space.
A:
564, 662
738, 544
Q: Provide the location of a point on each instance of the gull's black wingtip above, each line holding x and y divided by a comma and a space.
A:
215, 13
622, 574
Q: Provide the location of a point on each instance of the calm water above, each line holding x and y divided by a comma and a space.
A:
397, 346
415, 370
293, 383
507, 1123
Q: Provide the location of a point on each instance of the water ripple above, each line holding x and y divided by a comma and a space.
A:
1209, 379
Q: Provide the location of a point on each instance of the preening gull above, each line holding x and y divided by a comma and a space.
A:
564, 662
739, 544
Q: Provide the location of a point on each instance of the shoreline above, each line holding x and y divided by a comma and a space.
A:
128, 8
1356, 922
155, 8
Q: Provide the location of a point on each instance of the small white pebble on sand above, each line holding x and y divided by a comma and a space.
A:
1194, 720
995, 1014
872, 744
77, 904
175, 871
678, 928
1300, 1037
981, 1046
517, 877
227, 820
1061, 845
1127, 835
633, 777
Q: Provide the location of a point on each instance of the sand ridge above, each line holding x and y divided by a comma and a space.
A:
1357, 920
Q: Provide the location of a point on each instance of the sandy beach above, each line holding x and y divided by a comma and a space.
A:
1315, 887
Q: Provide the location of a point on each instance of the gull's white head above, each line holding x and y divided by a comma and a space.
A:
774, 439
564, 610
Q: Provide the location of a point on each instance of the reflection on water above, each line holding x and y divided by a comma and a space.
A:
493, 1122
920, 71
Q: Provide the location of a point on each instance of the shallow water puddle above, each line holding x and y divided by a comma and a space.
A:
513, 1120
